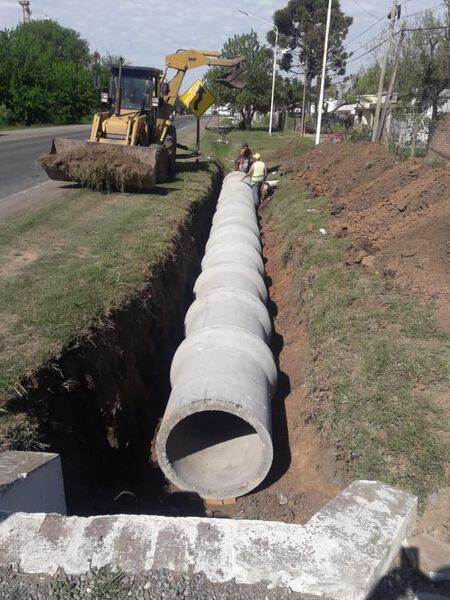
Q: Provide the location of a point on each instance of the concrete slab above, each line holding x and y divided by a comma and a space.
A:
31, 482
341, 553
430, 556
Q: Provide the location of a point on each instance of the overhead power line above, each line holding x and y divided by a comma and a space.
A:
425, 10
396, 33
365, 10
425, 28
365, 44
351, 40
363, 32
367, 52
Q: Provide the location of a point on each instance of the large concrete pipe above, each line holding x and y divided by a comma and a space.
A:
228, 221
233, 253
215, 436
233, 233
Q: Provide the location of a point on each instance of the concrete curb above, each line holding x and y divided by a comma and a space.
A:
341, 553
26, 479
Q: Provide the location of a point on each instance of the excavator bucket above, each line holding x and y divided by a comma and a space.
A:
109, 167
236, 78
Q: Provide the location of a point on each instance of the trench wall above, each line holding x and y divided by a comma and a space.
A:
100, 403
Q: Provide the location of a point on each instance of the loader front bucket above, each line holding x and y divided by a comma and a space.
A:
53, 165
108, 167
237, 78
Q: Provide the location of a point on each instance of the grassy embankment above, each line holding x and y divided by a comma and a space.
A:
68, 263
380, 360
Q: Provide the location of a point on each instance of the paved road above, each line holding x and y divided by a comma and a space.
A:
19, 151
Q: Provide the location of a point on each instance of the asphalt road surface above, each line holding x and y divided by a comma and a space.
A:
20, 175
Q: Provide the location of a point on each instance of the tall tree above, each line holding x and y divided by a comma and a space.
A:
256, 94
301, 24
45, 75
424, 70
104, 65
365, 81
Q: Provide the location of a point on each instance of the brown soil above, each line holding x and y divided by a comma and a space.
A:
99, 403
335, 169
305, 474
17, 260
397, 214
104, 166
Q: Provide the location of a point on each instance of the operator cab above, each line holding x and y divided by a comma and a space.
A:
140, 87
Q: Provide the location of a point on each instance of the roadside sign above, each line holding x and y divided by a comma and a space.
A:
198, 98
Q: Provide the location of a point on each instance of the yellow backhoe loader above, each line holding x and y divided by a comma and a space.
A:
133, 144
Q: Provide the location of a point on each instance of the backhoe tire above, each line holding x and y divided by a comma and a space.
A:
171, 144
162, 164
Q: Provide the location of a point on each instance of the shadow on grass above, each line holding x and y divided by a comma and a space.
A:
191, 166
158, 190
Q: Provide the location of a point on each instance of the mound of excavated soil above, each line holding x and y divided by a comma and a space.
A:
104, 167
396, 213
335, 169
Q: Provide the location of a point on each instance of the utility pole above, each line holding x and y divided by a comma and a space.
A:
305, 85
25, 4
376, 121
274, 73
390, 88
324, 68
274, 70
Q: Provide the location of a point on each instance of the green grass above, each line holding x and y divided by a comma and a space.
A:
258, 139
5, 125
77, 258
381, 360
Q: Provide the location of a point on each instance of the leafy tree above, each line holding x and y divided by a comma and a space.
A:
301, 24
257, 93
106, 62
45, 75
365, 81
288, 92
424, 68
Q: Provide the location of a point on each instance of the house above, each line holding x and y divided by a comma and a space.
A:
363, 110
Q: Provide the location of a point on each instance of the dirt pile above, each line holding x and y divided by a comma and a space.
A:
105, 167
334, 170
397, 214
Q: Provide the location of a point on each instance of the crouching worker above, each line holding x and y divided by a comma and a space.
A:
257, 174
243, 159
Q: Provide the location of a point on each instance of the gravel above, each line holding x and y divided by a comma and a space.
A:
106, 584
401, 583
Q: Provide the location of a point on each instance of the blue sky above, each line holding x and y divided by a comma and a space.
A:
146, 30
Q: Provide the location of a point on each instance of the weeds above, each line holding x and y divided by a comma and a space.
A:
108, 584
380, 357
380, 360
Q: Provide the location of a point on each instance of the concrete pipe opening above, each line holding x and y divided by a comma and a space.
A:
216, 453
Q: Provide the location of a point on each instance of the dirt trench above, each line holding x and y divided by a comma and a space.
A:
99, 404
305, 473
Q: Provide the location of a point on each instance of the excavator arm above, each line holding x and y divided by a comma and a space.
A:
182, 61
